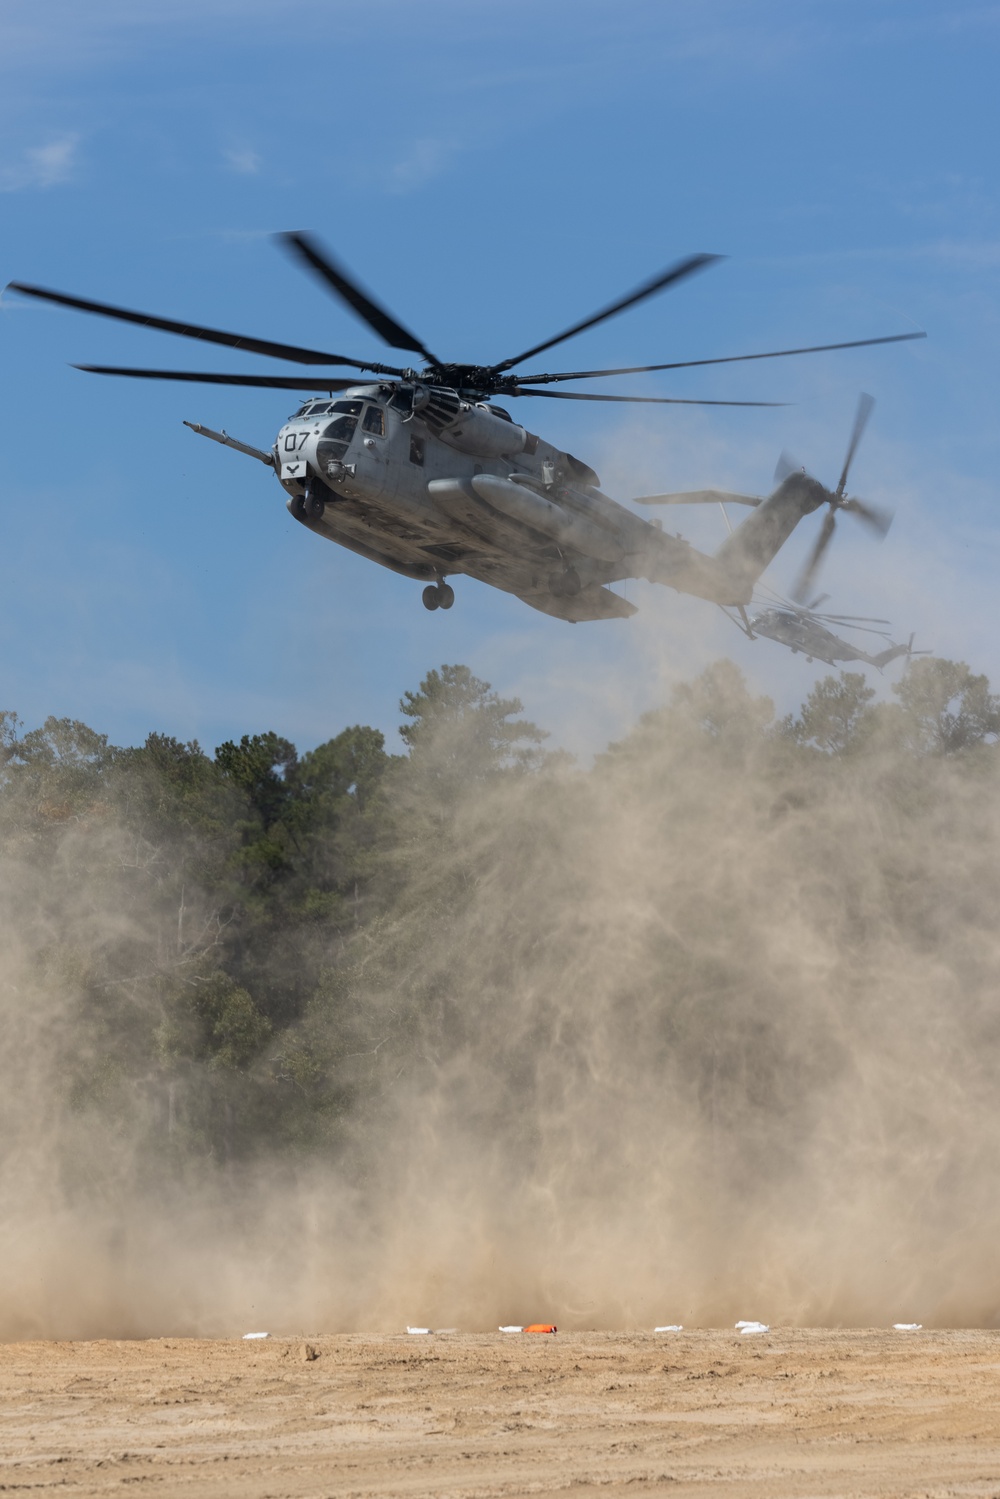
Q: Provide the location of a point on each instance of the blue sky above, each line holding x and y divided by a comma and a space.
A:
493, 173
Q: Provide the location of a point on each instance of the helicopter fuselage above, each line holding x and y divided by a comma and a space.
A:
806, 636
431, 484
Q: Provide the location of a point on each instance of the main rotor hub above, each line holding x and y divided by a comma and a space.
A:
473, 380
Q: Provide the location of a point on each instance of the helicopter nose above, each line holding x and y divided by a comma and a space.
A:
292, 457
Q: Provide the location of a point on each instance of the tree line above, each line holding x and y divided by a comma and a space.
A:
254, 950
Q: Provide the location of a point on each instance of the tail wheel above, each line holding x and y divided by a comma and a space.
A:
430, 597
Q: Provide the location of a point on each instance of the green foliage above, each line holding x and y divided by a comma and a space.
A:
945, 708
715, 709
260, 766
837, 716
255, 950
463, 730
215, 1021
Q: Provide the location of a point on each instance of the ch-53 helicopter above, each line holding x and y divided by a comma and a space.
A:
805, 631
425, 474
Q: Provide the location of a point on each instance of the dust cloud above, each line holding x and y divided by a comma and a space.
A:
708, 1031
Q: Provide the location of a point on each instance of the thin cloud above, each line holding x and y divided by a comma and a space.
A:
975, 254
426, 159
242, 160
45, 166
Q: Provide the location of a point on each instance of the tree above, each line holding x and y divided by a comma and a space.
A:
945, 708
460, 730
9, 725
349, 766
58, 768
836, 717
715, 709
260, 764
719, 703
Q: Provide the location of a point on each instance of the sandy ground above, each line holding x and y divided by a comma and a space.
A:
785, 1413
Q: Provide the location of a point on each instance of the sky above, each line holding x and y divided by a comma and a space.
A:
493, 173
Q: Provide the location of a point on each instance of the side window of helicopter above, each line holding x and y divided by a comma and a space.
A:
416, 450
374, 421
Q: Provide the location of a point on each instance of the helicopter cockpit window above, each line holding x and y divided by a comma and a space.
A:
341, 428
374, 421
336, 438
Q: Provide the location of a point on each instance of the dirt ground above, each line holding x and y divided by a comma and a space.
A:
790, 1412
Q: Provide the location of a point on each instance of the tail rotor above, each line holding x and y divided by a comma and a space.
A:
877, 519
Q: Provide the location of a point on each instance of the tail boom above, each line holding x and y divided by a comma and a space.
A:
729, 577
751, 548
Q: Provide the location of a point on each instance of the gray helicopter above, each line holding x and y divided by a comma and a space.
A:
424, 473
807, 632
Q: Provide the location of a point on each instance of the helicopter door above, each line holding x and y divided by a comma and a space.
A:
373, 454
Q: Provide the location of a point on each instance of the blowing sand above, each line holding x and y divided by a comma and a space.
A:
791, 1412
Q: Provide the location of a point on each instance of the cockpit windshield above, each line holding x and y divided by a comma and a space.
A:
320, 408
336, 438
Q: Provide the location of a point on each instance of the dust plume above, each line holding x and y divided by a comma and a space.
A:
708, 1031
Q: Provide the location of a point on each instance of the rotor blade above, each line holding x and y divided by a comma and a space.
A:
264, 382
802, 587
190, 330
579, 395
866, 405
696, 497
690, 364
786, 465
819, 599
321, 262
675, 273
874, 516
866, 630
843, 619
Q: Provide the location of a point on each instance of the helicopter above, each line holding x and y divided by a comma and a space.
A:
807, 632
428, 475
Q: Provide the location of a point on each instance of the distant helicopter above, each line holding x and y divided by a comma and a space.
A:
805, 631
422, 473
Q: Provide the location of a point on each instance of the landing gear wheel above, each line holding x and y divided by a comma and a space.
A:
446, 595
430, 597
297, 506
314, 504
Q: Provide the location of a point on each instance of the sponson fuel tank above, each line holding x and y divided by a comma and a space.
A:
564, 526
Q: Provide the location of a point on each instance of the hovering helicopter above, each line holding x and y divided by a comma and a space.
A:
804, 630
423, 473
